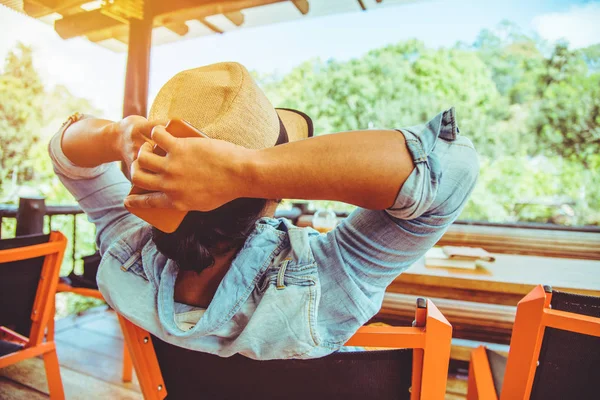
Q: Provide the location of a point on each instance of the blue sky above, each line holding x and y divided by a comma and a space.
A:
96, 73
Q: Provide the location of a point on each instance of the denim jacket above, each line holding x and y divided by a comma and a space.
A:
290, 292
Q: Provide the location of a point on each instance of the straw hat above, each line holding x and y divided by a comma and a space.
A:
223, 102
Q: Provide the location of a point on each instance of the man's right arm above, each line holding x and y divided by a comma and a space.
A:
364, 168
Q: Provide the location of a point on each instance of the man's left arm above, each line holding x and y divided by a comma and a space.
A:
83, 158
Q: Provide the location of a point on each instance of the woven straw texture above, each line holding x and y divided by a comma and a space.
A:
223, 101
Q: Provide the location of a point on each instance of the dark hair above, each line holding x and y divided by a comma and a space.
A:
202, 235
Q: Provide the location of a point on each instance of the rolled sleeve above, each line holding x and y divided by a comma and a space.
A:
420, 189
64, 166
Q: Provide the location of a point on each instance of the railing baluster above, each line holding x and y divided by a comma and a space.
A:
74, 238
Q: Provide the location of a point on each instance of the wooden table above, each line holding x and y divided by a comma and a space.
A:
504, 281
481, 304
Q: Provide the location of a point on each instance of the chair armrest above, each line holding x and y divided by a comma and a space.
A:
63, 287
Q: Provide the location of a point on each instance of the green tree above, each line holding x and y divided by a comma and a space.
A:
531, 110
567, 117
396, 86
21, 94
29, 115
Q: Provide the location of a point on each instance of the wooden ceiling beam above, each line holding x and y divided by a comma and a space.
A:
302, 6
97, 26
210, 26
212, 6
206, 9
84, 23
35, 10
179, 28
41, 8
121, 33
236, 17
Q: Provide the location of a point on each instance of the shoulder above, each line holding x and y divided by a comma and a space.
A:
130, 240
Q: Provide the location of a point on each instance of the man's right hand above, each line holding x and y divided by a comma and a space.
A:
132, 133
195, 174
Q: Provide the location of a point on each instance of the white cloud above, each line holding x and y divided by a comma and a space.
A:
580, 25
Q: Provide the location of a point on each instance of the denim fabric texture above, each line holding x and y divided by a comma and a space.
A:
290, 292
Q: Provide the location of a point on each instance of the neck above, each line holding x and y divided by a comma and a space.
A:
198, 289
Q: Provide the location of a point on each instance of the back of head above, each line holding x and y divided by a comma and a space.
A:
204, 235
223, 101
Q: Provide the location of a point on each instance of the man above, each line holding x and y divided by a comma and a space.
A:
230, 280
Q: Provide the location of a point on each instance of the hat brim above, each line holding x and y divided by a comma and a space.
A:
298, 125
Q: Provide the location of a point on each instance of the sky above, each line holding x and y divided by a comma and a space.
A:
96, 73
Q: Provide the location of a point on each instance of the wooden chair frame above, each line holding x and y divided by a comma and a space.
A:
127, 370
41, 314
430, 338
534, 315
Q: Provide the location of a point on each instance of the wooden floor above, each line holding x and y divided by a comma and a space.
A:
90, 352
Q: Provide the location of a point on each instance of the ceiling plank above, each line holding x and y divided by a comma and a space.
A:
302, 6
236, 17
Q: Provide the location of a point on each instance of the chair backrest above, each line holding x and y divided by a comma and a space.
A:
555, 347
19, 283
569, 362
29, 267
346, 375
416, 368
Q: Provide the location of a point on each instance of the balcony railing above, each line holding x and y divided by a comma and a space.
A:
30, 218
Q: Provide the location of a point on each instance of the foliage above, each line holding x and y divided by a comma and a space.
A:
532, 111
29, 115
21, 92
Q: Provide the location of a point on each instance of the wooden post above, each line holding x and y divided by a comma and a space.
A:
135, 101
30, 217
138, 67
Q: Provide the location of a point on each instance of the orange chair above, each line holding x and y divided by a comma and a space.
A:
554, 351
400, 373
29, 268
62, 287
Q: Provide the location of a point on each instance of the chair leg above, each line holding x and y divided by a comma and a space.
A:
472, 386
52, 367
127, 374
50, 331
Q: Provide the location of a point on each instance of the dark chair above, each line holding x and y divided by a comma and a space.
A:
29, 268
417, 368
554, 351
